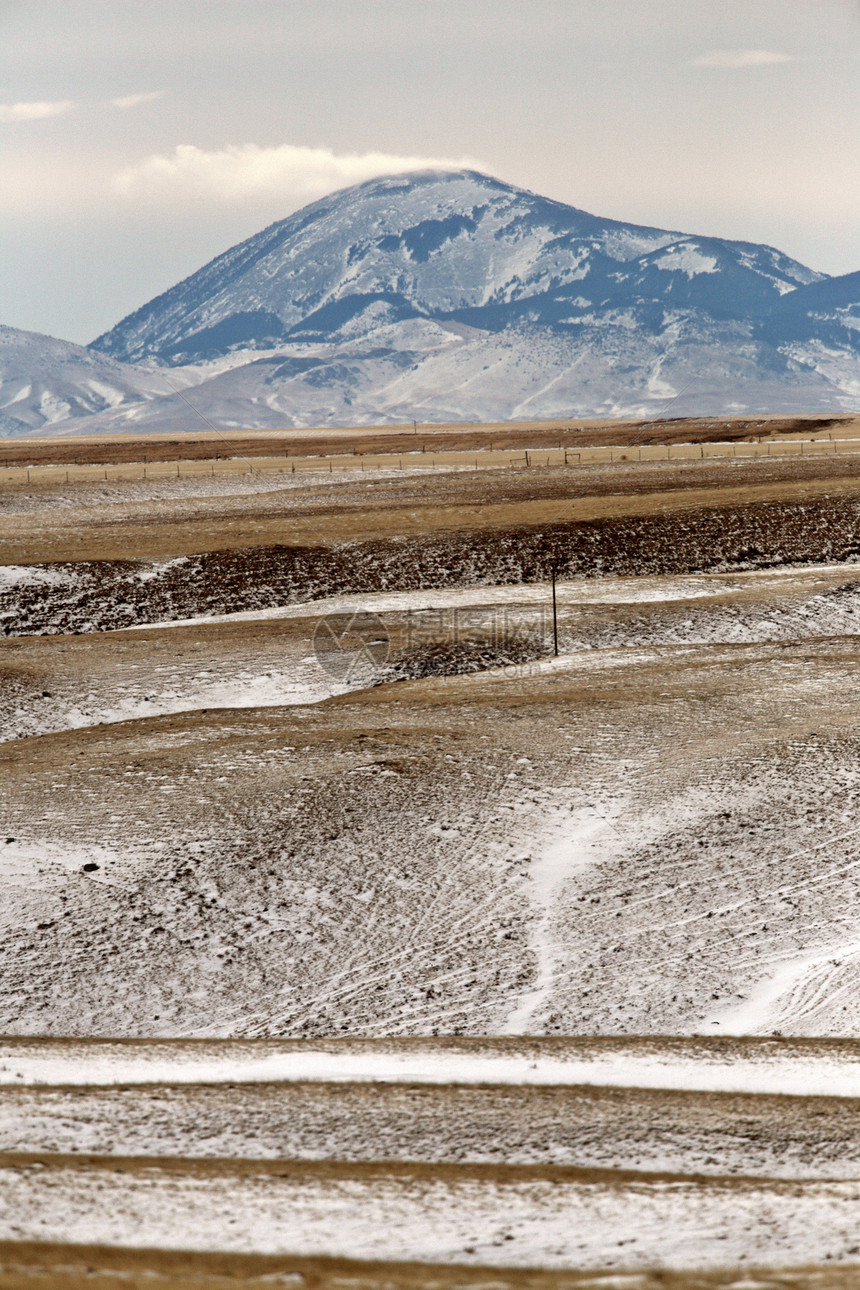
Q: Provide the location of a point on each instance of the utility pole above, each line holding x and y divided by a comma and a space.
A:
554, 614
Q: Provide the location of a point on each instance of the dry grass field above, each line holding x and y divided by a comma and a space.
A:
290, 765
24, 1266
219, 445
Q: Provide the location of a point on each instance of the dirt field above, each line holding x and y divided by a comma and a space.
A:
162, 520
114, 449
293, 756
24, 1265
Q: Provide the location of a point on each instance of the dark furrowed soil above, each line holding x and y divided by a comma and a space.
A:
104, 595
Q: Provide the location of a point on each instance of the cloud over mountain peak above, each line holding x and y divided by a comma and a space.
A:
238, 172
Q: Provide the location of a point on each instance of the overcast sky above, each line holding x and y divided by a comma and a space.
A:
142, 137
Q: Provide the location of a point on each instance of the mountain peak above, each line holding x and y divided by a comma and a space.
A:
458, 247
438, 240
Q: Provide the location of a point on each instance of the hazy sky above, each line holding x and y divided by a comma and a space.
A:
139, 139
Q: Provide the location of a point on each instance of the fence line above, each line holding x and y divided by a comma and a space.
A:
420, 461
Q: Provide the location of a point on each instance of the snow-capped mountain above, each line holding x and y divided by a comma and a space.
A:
458, 246
443, 296
45, 383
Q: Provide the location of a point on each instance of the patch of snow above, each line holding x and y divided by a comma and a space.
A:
111, 396
158, 568
792, 988
573, 846
412, 1215
246, 689
24, 575
688, 259
39, 863
584, 591
23, 394
52, 407
789, 1069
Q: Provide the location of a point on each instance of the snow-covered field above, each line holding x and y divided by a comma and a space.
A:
554, 873
241, 867
787, 1068
533, 1222
602, 620
554, 1154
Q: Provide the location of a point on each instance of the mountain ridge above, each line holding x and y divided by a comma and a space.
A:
455, 245
454, 296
